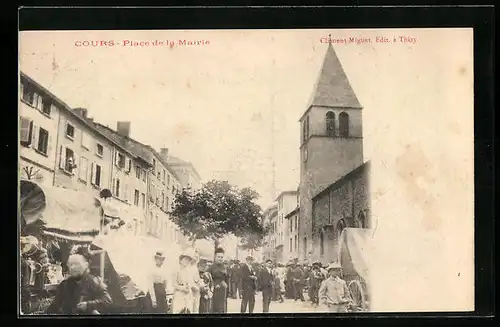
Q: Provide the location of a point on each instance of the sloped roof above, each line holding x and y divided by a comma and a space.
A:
143, 151
332, 88
174, 161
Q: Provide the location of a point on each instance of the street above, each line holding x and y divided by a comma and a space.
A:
288, 306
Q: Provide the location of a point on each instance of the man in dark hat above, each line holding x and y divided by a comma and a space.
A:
315, 280
81, 293
266, 284
298, 282
248, 285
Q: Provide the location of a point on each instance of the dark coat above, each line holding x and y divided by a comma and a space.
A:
247, 283
265, 280
298, 276
87, 288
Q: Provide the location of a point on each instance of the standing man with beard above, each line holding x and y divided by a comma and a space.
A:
248, 285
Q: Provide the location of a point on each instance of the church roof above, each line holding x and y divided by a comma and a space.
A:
332, 88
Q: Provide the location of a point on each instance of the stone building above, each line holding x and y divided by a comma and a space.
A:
287, 202
345, 203
331, 141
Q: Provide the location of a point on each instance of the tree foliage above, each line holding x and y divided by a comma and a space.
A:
219, 209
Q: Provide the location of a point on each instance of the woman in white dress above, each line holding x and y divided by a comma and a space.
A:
182, 301
196, 285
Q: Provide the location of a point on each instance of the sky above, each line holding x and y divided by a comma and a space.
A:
232, 107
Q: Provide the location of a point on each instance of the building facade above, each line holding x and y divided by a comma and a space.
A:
187, 173
345, 203
63, 147
287, 201
270, 223
39, 113
292, 220
129, 174
331, 142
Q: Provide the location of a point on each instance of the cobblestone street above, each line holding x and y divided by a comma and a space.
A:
288, 306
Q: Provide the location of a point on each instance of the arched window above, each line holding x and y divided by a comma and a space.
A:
344, 124
341, 225
330, 123
321, 242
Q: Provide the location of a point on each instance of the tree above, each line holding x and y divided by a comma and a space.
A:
32, 173
219, 209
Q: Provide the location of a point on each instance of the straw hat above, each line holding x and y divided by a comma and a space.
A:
333, 265
188, 253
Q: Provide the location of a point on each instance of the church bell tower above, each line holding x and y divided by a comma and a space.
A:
331, 141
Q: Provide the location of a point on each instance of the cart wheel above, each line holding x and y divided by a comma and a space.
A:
357, 294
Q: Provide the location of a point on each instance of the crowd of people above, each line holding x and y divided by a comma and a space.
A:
200, 286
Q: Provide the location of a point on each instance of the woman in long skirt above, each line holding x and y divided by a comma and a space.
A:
206, 289
195, 285
158, 281
182, 301
220, 278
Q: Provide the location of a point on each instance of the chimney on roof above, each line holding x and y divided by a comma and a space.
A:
123, 128
164, 153
82, 112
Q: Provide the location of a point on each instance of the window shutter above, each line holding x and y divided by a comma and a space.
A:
49, 144
62, 157
83, 169
26, 126
92, 173
128, 166
34, 135
76, 161
125, 192
116, 158
85, 140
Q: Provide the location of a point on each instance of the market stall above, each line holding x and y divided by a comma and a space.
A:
57, 219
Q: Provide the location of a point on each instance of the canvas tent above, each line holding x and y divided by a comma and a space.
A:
66, 214
354, 251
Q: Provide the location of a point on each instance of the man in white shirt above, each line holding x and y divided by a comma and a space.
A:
333, 291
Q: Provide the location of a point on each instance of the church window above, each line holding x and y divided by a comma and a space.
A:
330, 123
321, 243
344, 124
